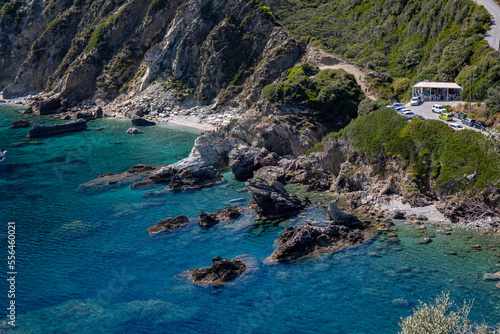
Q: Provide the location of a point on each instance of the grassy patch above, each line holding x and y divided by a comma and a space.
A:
97, 36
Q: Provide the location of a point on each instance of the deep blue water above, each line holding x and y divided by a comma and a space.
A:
105, 274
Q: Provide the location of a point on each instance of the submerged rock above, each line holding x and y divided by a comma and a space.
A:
300, 241
272, 201
133, 131
229, 213
221, 271
424, 240
168, 224
21, 123
74, 230
109, 180
492, 277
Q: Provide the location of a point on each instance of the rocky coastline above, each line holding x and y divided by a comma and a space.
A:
246, 145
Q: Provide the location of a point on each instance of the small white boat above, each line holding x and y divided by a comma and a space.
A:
2, 156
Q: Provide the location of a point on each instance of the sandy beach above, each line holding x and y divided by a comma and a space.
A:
191, 122
196, 121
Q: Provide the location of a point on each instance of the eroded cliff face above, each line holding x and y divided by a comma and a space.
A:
207, 50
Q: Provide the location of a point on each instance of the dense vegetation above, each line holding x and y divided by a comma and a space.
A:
331, 92
406, 41
435, 154
440, 318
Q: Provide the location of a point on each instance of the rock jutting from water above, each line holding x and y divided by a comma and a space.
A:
244, 161
343, 230
343, 218
183, 175
168, 224
139, 121
300, 241
272, 201
39, 131
228, 214
221, 272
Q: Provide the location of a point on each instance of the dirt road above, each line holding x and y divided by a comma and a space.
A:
329, 61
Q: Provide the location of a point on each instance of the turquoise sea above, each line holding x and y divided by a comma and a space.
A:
85, 263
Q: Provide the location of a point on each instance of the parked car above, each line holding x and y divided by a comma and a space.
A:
410, 115
421, 117
399, 108
468, 121
446, 116
480, 125
395, 105
415, 101
403, 110
437, 108
456, 127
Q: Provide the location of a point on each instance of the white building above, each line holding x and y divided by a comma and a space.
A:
438, 91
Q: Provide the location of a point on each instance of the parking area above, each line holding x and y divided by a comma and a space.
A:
424, 110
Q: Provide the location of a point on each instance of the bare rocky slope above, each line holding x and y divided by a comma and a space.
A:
97, 50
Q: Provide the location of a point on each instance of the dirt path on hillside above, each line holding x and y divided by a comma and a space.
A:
327, 61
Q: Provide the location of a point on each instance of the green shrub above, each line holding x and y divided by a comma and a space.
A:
331, 92
439, 318
367, 106
316, 148
97, 36
377, 133
8, 10
468, 152
157, 5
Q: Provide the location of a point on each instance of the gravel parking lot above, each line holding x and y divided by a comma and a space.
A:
424, 110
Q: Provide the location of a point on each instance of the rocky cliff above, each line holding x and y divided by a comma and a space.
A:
201, 50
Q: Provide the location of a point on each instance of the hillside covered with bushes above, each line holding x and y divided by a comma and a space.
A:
332, 93
441, 161
405, 41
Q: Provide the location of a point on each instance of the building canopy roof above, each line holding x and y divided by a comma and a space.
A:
430, 84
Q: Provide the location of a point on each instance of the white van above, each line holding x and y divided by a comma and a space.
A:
438, 109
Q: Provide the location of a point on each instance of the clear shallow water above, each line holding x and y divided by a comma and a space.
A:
106, 275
